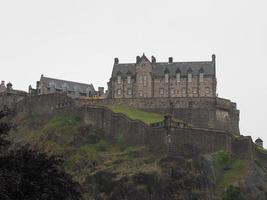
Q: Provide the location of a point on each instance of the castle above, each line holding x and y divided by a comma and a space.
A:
146, 79
48, 85
183, 90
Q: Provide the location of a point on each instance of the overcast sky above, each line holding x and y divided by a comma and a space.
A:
78, 39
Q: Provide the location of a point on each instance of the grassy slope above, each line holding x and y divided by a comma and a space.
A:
233, 169
56, 135
132, 113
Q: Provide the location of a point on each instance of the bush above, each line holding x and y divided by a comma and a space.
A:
232, 193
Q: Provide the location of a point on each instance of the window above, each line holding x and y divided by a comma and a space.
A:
189, 77
166, 78
119, 91
201, 77
145, 80
184, 92
119, 79
178, 77
140, 80
207, 91
172, 91
128, 79
129, 92
140, 93
195, 91
161, 91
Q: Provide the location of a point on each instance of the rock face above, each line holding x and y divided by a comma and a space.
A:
177, 178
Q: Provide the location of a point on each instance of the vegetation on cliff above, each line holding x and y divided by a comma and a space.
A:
114, 171
30, 174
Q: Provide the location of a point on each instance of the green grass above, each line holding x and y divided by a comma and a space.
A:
135, 114
236, 171
221, 158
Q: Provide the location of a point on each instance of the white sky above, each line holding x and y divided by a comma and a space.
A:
78, 39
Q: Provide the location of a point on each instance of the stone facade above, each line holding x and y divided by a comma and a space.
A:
73, 89
146, 79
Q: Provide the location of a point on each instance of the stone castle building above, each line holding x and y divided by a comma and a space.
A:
146, 79
48, 85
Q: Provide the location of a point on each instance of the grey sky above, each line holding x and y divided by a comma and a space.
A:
78, 39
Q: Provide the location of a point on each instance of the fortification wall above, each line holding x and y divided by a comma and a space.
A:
202, 112
136, 133
10, 99
42, 104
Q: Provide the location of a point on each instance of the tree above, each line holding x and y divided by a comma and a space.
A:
28, 174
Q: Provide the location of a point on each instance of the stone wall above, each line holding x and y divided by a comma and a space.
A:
136, 133
202, 112
10, 99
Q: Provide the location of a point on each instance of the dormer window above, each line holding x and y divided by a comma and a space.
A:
201, 75
178, 77
166, 75
189, 76
119, 79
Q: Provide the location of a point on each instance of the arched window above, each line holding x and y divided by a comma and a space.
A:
119, 79
166, 75
189, 76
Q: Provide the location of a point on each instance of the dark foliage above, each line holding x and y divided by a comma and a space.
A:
232, 193
26, 174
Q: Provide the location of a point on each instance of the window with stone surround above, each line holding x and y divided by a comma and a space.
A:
119, 92
201, 77
129, 92
172, 91
189, 77
184, 92
140, 93
145, 80
207, 91
140, 80
161, 91
166, 78
128, 79
119, 79
195, 91
178, 77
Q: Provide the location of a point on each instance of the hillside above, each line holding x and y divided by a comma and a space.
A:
113, 171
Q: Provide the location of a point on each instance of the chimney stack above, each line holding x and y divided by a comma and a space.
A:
137, 59
213, 58
170, 60
116, 60
153, 59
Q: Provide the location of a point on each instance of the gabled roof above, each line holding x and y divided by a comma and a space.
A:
70, 85
158, 68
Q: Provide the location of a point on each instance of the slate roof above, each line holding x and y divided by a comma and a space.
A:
70, 85
159, 68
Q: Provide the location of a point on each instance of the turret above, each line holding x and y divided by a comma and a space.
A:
259, 142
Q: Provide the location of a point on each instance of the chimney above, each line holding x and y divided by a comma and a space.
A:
137, 59
213, 58
170, 60
153, 59
116, 60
